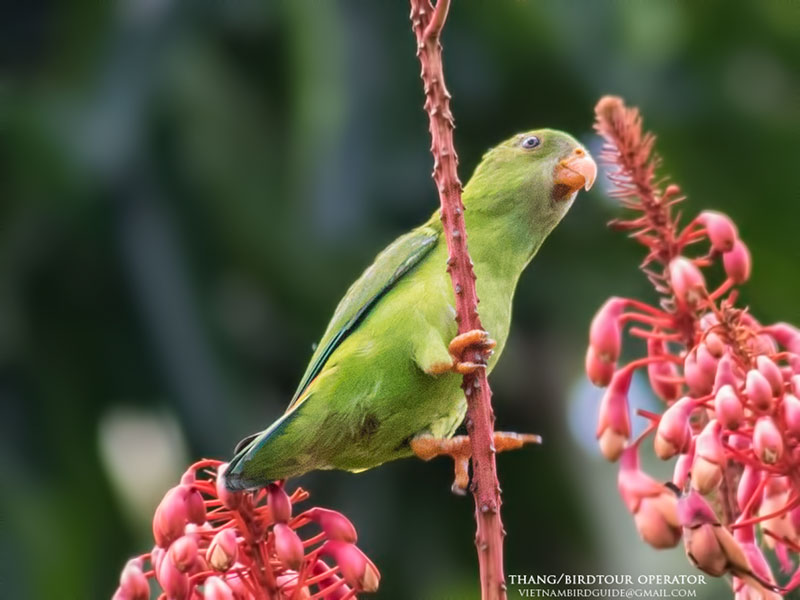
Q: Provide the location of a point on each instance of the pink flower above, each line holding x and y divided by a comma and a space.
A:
247, 546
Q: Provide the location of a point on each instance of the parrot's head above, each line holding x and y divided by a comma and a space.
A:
532, 177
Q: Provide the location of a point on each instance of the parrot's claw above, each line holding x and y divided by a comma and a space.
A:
459, 449
476, 339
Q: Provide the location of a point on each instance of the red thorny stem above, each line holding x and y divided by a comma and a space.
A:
427, 23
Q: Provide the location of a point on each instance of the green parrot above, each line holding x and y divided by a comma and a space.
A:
384, 373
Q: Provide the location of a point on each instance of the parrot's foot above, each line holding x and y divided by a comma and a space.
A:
477, 339
460, 450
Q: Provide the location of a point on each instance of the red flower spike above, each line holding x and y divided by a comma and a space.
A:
288, 546
216, 589
279, 503
687, 281
357, 570
728, 407
335, 525
738, 263
614, 426
721, 231
223, 550
239, 552
767, 441
759, 391
738, 428
672, 434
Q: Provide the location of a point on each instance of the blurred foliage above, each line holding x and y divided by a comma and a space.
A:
189, 187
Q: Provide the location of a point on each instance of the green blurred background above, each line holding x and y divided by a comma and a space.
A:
187, 188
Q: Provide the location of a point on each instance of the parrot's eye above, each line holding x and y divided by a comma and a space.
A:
530, 142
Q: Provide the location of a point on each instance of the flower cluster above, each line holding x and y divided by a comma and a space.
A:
220, 545
729, 384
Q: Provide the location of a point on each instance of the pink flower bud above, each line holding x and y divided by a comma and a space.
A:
174, 583
287, 584
223, 550
771, 373
694, 511
725, 373
721, 230
672, 434
663, 374
170, 517
777, 493
183, 553
328, 583
214, 588
686, 280
657, 521
682, 470
745, 536
737, 262
288, 546
652, 504
748, 484
786, 335
758, 391
709, 546
335, 525
767, 441
279, 503
791, 413
715, 344
728, 408
709, 458
157, 555
133, 584
699, 378
598, 370
604, 332
357, 570
614, 427
228, 498
195, 507
795, 384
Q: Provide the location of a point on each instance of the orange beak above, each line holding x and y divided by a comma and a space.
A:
576, 171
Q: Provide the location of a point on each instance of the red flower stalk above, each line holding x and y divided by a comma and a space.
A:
219, 545
729, 385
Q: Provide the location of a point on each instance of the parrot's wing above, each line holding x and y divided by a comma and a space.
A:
389, 267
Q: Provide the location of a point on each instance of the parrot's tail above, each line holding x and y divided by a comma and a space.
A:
243, 472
